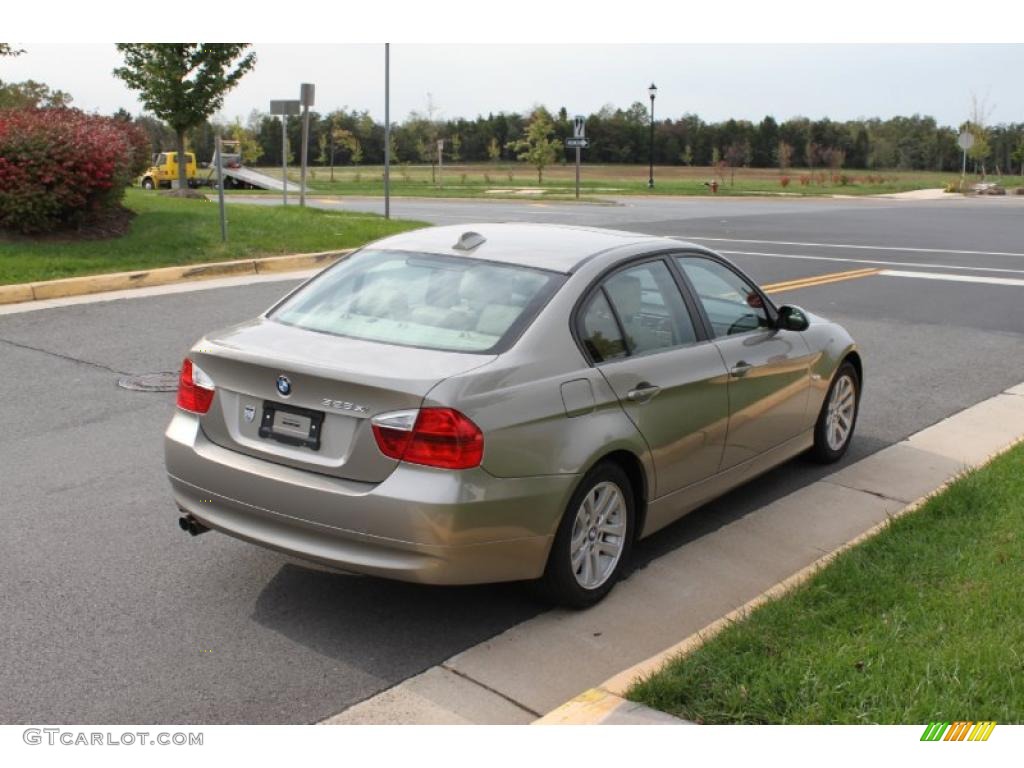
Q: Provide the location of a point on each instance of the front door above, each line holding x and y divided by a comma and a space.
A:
769, 368
671, 383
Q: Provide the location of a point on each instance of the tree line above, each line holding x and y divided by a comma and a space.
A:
353, 137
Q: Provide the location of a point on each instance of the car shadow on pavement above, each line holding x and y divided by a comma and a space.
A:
394, 630
386, 628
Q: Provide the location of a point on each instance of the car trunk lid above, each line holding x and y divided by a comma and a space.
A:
346, 380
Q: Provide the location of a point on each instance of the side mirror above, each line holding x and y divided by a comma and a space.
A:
793, 318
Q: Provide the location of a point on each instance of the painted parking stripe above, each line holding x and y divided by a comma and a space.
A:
842, 260
841, 245
953, 278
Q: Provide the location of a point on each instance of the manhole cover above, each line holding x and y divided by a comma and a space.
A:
161, 381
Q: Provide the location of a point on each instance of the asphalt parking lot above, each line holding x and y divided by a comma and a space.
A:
111, 614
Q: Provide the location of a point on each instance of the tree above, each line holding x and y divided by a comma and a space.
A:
7, 50
734, 155
978, 126
248, 142
32, 95
538, 148
493, 150
1018, 155
785, 156
183, 83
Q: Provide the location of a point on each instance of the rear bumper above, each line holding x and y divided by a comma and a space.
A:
420, 524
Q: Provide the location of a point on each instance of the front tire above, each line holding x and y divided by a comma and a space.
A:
593, 540
147, 184
838, 417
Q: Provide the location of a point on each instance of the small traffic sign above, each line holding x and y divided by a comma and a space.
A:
578, 127
285, 106
966, 140
577, 143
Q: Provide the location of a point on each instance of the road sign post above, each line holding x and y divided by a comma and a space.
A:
440, 163
965, 141
306, 93
220, 193
284, 107
578, 142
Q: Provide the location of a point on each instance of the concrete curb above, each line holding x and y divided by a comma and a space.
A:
602, 704
116, 281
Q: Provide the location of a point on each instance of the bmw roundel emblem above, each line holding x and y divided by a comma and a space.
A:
284, 385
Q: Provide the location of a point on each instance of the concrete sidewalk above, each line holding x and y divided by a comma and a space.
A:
534, 667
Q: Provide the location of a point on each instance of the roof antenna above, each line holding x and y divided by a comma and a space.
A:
469, 241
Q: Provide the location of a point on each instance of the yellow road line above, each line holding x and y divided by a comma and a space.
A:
807, 282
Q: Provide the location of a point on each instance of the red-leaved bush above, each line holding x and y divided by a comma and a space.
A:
61, 167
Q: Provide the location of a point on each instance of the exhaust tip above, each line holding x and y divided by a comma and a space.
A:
191, 526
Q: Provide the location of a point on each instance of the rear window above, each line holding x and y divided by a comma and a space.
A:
422, 300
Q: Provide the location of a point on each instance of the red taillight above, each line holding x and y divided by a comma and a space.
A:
438, 437
195, 388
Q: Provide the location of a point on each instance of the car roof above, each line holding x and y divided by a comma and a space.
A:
555, 247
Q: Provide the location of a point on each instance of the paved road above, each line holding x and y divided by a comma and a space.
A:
111, 614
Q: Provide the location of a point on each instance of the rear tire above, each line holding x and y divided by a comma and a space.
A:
593, 540
838, 417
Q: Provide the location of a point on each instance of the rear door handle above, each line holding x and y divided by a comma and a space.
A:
741, 369
642, 393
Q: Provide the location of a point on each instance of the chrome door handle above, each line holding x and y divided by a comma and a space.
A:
741, 369
642, 393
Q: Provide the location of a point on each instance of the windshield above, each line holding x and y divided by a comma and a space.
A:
420, 300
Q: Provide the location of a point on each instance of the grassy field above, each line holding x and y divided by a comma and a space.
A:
503, 180
921, 623
169, 231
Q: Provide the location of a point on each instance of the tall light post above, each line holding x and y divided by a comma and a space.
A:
652, 92
387, 130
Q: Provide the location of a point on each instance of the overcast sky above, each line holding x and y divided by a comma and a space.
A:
715, 81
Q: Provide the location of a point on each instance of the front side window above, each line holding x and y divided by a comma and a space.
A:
730, 302
650, 308
420, 300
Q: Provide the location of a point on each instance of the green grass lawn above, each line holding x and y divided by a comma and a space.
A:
923, 622
169, 231
518, 180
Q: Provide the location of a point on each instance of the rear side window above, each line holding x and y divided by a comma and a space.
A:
600, 331
420, 300
650, 308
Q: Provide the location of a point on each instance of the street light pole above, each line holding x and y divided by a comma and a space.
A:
652, 91
387, 130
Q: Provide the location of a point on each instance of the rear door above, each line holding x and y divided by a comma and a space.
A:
643, 338
769, 368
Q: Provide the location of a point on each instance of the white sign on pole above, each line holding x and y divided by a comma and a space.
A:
966, 140
578, 127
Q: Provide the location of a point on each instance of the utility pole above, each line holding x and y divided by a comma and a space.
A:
220, 192
306, 92
387, 130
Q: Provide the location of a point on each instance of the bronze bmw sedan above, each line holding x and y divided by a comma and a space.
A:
501, 402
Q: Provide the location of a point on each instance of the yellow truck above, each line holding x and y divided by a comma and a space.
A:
165, 170
236, 176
